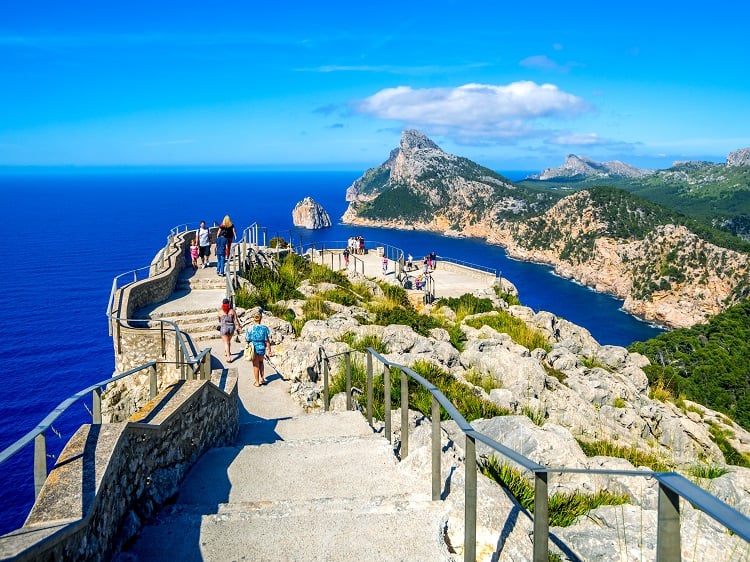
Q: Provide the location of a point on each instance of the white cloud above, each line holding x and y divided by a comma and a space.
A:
579, 139
479, 111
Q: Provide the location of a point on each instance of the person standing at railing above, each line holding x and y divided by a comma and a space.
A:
228, 323
433, 260
259, 336
204, 243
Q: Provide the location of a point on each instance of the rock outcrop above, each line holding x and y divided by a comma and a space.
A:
739, 157
309, 214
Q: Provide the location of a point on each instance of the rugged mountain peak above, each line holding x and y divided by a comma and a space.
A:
421, 182
739, 157
413, 140
577, 165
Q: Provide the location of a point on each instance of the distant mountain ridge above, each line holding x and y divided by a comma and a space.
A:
576, 165
715, 193
666, 268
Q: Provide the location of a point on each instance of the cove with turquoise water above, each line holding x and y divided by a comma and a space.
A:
69, 232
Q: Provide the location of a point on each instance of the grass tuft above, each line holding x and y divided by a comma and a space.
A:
564, 509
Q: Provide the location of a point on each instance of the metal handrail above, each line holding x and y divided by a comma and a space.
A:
494, 271
672, 486
38, 433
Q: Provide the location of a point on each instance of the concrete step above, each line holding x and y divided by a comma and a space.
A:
310, 426
315, 530
298, 470
201, 284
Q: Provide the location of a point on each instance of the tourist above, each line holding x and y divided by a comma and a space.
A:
259, 336
228, 323
433, 260
385, 265
203, 234
221, 254
194, 251
227, 230
346, 258
426, 265
418, 283
361, 245
409, 263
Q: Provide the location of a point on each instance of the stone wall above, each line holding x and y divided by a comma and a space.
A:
110, 477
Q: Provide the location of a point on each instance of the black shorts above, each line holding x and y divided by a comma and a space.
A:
204, 251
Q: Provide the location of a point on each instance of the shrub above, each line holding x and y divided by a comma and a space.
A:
466, 305
362, 343
706, 471
514, 327
631, 454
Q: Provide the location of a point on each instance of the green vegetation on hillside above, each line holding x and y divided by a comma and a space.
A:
707, 363
399, 202
714, 195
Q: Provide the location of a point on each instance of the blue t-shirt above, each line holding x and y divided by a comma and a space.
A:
258, 334
221, 246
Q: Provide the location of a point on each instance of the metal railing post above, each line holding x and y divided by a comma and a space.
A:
668, 526
348, 360
470, 501
152, 382
40, 463
369, 388
325, 385
436, 446
404, 415
387, 401
96, 406
163, 341
541, 518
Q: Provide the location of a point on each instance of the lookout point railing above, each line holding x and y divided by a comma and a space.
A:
671, 486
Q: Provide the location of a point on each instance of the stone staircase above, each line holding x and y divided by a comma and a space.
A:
308, 487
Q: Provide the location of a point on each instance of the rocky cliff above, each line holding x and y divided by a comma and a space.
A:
606, 239
309, 214
421, 186
739, 157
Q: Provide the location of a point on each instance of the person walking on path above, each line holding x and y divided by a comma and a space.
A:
433, 260
385, 265
221, 254
194, 251
259, 336
203, 235
228, 323
227, 230
346, 257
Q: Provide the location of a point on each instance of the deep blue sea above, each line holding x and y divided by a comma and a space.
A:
69, 232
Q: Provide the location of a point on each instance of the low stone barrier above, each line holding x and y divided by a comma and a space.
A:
110, 477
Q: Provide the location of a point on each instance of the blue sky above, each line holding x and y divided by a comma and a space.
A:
331, 85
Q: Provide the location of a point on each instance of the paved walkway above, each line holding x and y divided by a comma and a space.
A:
451, 280
296, 486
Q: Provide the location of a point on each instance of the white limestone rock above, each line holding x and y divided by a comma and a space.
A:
309, 214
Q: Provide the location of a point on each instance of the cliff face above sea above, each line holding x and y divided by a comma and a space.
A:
604, 238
